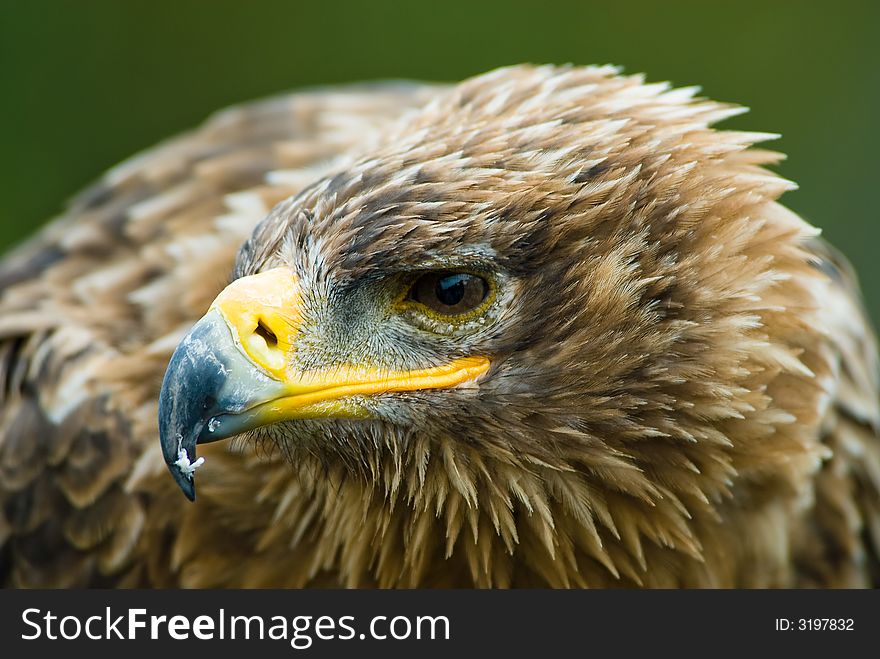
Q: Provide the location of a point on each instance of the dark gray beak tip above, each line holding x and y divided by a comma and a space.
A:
186, 483
197, 390
187, 390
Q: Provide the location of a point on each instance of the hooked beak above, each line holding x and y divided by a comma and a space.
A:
234, 371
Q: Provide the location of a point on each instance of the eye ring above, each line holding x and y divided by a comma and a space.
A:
449, 294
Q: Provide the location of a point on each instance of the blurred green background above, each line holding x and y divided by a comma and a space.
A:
86, 84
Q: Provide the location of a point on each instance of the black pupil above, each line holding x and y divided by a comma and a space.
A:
450, 289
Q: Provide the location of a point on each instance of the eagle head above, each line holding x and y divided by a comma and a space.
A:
544, 308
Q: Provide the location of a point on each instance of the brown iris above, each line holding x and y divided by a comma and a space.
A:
450, 293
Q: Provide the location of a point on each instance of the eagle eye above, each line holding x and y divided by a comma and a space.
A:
449, 293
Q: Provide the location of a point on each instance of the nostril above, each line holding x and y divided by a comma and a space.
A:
267, 334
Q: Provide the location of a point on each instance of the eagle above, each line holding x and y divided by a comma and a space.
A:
548, 327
